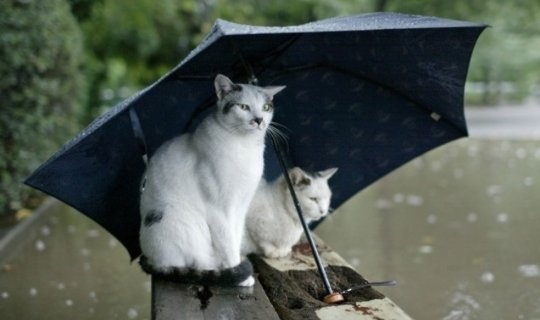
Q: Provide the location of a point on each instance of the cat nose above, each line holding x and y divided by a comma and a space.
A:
258, 121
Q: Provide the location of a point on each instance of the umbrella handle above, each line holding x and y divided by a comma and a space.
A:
331, 297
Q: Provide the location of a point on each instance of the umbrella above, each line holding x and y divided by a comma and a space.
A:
364, 93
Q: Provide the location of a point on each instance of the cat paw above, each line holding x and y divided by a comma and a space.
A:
278, 253
249, 282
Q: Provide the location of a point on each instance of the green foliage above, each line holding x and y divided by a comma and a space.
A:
40, 89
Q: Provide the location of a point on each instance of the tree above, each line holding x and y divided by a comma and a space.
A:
40, 89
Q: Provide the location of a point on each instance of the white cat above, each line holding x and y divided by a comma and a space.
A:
198, 188
272, 223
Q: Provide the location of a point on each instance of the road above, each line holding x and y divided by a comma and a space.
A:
519, 122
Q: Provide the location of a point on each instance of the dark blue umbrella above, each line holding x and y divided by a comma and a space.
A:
364, 93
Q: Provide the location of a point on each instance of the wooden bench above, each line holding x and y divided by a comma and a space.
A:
287, 289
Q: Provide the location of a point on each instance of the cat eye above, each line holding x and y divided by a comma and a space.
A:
244, 107
268, 107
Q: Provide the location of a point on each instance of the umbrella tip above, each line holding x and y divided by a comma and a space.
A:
334, 298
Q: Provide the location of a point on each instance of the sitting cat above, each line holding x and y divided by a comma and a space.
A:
272, 223
198, 188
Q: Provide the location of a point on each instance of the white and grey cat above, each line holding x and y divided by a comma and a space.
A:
272, 223
198, 188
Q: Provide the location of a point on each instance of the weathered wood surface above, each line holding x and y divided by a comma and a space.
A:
193, 302
296, 291
287, 289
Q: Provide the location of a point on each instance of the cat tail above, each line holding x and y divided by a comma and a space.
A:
227, 277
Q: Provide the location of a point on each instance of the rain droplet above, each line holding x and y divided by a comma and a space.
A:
93, 233
383, 204
494, 190
472, 217
502, 217
113, 243
85, 252
4, 295
415, 200
398, 198
92, 295
71, 228
521, 153
40, 245
61, 286
132, 313
425, 249
431, 219
33, 292
528, 181
45, 231
69, 302
529, 270
487, 277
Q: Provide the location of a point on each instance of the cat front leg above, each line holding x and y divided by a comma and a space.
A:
226, 247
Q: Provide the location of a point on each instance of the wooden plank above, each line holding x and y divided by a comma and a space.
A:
296, 290
194, 302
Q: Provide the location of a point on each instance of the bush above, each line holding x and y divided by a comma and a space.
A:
40, 89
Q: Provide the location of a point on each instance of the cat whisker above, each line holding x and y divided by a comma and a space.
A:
277, 124
277, 135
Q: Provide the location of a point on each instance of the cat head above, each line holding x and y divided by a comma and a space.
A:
243, 107
312, 191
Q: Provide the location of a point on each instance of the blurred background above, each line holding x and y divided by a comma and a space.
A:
460, 219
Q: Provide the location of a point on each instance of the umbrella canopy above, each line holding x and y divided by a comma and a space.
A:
364, 93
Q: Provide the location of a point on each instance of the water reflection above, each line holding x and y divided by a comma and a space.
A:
69, 268
458, 228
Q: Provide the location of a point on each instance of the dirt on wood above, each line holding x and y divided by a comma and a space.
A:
298, 294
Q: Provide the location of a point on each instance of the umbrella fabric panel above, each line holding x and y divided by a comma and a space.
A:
98, 174
366, 134
432, 63
165, 111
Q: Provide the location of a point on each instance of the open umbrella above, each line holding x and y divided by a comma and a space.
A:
364, 93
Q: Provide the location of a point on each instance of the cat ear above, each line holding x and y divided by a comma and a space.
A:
328, 173
224, 85
299, 177
272, 91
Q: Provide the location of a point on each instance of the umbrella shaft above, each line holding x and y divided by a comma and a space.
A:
307, 232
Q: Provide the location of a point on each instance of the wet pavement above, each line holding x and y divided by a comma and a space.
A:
517, 122
458, 228
69, 268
